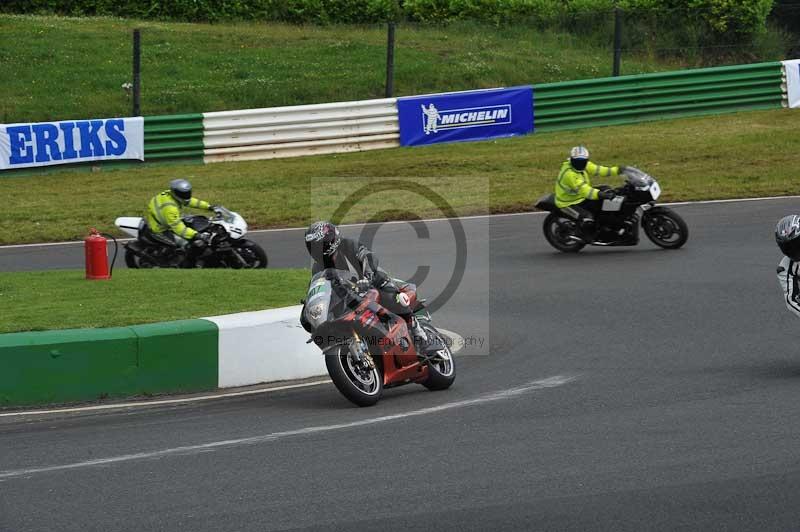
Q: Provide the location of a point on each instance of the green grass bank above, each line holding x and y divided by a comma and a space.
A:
728, 156
51, 300
190, 68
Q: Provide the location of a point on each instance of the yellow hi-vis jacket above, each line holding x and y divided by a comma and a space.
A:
573, 186
164, 214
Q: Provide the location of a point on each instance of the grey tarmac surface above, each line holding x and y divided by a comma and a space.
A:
682, 414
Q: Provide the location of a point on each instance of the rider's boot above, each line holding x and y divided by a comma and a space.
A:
588, 230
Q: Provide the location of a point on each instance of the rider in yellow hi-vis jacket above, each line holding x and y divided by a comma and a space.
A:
164, 213
574, 192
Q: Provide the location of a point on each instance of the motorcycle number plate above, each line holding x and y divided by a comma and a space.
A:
655, 190
613, 205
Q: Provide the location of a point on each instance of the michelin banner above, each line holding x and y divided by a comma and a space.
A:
73, 141
463, 116
792, 71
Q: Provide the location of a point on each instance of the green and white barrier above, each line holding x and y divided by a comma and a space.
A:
180, 356
251, 134
791, 75
265, 346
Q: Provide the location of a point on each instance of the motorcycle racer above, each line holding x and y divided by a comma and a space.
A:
164, 218
329, 249
574, 193
164, 212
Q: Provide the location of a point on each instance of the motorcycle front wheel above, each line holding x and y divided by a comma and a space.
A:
557, 234
360, 383
442, 367
665, 228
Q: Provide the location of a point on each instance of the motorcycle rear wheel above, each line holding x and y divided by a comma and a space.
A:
442, 369
555, 236
134, 261
363, 388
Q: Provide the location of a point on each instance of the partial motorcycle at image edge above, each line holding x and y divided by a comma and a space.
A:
226, 248
618, 220
368, 348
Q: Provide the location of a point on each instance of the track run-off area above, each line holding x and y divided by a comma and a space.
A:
615, 389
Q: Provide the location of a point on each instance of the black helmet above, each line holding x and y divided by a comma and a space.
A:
579, 157
787, 235
181, 190
322, 240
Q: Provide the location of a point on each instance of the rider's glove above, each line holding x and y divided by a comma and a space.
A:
606, 194
379, 279
216, 208
202, 239
622, 168
362, 285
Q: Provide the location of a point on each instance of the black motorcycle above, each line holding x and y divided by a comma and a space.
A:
618, 219
226, 247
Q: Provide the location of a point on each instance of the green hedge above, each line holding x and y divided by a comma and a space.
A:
719, 16
295, 11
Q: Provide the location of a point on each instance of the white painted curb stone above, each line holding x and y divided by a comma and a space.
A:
265, 346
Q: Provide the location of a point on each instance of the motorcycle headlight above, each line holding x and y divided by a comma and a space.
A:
315, 311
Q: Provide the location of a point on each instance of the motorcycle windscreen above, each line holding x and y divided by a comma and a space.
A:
320, 295
318, 301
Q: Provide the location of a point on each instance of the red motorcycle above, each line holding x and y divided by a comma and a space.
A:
366, 347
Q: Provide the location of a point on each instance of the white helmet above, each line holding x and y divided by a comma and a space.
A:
578, 157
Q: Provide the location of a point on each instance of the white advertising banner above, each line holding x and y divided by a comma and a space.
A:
70, 141
792, 70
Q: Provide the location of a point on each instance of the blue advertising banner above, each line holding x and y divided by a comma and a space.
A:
70, 141
463, 116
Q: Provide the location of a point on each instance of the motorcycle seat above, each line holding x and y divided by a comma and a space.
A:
147, 237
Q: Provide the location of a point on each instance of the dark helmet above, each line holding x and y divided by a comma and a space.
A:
579, 158
322, 240
181, 190
787, 235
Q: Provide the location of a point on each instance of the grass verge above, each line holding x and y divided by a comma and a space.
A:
188, 68
727, 156
47, 300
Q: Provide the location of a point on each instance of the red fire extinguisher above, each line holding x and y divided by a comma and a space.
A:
97, 256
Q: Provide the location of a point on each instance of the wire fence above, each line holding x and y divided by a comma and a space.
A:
683, 34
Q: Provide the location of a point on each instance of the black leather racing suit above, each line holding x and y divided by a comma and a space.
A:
359, 259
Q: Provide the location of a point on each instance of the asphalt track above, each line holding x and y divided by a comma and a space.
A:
618, 389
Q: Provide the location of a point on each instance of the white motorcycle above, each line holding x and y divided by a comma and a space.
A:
226, 248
